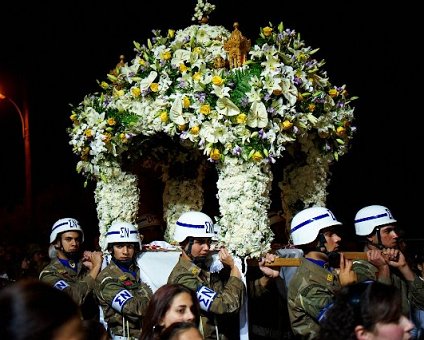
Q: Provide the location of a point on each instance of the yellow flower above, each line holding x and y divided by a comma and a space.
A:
88, 133
171, 33
166, 55
286, 125
217, 80
111, 121
123, 137
74, 117
181, 127
341, 131
241, 118
154, 87
257, 156
205, 109
195, 130
136, 92
277, 92
333, 93
215, 154
267, 31
104, 85
183, 68
311, 107
142, 62
164, 116
197, 50
186, 102
197, 76
119, 93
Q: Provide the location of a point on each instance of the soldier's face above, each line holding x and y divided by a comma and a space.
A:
123, 251
200, 247
389, 237
71, 241
332, 239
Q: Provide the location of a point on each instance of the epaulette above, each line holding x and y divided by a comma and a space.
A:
195, 270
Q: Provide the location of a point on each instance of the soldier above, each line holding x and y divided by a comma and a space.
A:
386, 262
220, 294
71, 270
313, 285
122, 295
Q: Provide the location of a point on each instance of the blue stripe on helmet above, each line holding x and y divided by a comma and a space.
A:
371, 217
194, 226
59, 225
319, 217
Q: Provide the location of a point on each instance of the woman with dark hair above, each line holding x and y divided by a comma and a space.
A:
34, 310
169, 304
181, 331
366, 310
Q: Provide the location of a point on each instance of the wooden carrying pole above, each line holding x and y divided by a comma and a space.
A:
295, 262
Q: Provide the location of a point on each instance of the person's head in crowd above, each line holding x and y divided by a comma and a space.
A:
194, 231
366, 310
277, 223
169, 304
377, 224
123, 242
151, 227
66, 238
33, 310
417, 259
316, 229
181, 331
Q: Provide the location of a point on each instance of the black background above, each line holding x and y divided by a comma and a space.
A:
53, 53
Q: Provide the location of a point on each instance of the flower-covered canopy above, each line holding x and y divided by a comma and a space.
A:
187, 90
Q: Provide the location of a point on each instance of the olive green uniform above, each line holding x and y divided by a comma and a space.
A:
310, 290
412, 292
123, 298
74, 281
221, 297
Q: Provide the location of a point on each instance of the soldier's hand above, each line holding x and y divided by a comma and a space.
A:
346, 275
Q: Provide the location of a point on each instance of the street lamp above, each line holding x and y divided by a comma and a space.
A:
23, 116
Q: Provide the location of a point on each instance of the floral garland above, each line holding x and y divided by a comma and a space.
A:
178, 85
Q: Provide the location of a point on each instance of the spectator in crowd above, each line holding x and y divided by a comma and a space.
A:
316, 231
71, 270
151, 227
169, 304
366, 310
33, 310
121, 293
386, 262
181, 331
417, 314
220, 293
34, 262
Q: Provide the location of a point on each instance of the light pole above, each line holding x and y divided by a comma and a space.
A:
23, 116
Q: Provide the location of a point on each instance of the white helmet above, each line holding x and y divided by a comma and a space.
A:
306, 224
65, 224
370, 217
194, 224
122, 232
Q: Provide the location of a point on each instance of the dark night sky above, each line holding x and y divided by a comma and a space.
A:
55, 51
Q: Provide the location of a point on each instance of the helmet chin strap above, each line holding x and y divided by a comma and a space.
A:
321, 244
71, 255
379, 244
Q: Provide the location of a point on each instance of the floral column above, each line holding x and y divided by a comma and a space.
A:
243, 193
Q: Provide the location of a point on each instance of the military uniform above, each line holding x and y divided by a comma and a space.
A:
219, 294
412, 293
310, 290
123, 298
73, 279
